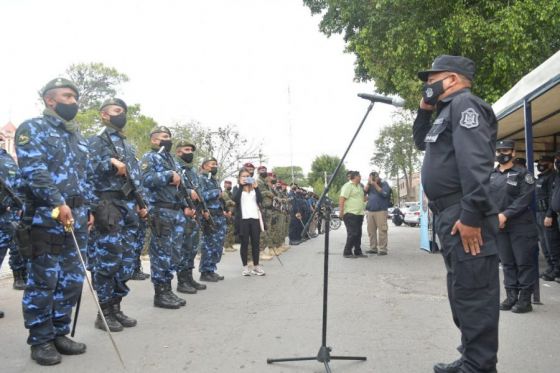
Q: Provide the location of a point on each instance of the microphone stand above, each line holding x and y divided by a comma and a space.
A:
324, 355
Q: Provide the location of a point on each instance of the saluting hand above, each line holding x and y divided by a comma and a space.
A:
548, 222
121, 167
470, 236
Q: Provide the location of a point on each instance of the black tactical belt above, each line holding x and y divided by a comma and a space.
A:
113, 195
75, 202
166, 205
437, 206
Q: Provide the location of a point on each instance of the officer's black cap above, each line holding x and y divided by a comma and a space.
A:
59, 83
505, 144
161, 129
114, 101
546, 158
456, 64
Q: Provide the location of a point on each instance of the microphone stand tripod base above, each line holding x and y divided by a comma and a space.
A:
324, 356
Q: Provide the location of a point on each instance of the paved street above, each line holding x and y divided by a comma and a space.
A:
391, 309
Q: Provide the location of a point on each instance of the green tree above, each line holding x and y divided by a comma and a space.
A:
225, 144
96, 82
393, 39
325, 165
395, 151
138, 128
284, 173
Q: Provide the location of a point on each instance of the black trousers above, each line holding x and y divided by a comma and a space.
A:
549, 241
517, 249
473, 288
250, 229
295, 229
353, 225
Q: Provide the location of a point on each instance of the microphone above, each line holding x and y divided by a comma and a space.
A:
383, 99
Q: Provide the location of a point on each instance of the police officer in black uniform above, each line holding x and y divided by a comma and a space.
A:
548, 233
459, 158
550, 220
512, 189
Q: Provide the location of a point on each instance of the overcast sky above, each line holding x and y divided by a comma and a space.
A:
214, 61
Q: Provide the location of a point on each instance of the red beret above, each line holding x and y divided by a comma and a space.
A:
248, 164
261, 168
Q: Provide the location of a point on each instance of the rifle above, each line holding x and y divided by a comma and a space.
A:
128, 188
202, 203
5, 188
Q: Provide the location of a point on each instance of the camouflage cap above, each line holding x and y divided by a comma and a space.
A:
160, 129
206, 160
114, 101
183, 143
59, 83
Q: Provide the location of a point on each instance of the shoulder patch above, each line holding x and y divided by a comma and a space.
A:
469, 118
529, 179
23, 138
144, 165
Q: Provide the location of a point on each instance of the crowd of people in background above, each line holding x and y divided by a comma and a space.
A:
70, 198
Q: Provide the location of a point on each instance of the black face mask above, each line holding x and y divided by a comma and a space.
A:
504, 158
542, 167
214, 171
167, 144
66, 111
228, 188
263, 174
187, 157
431, 92
118, 121
273, 181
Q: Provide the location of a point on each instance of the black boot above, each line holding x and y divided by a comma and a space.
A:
163, 297
182, 302
45, 354
523, 305
208, 277
183, 285
138, 273
510, 301
448, 368
127, 322
66, 346
217, 276
19, 280
112, 321
1, 314
193, 283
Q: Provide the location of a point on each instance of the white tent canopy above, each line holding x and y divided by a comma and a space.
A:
541, 90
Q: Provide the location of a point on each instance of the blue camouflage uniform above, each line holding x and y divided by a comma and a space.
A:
166, 210
9, 171
212, 244
192, 231
115, 246
55, 166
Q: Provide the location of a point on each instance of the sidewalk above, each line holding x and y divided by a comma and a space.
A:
391, 309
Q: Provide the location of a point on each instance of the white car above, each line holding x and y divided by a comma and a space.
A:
412, 216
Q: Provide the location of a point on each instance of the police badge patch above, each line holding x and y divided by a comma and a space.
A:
529, 179
469, 118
